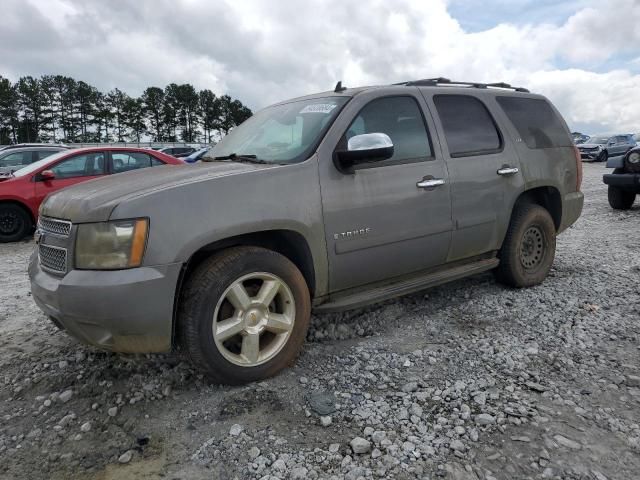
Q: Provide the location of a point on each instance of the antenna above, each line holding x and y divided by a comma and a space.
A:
339, 88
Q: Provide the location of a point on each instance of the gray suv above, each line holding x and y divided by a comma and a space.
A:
327, 202
600, 147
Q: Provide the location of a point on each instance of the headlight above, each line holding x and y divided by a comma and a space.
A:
111, 245
634, 157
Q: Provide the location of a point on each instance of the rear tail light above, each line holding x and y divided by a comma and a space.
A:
576, 152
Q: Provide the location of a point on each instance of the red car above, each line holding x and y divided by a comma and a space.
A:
22, 192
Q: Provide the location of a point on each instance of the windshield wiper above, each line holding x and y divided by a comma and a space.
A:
237, 157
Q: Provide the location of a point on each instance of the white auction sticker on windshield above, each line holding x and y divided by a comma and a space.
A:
318, 108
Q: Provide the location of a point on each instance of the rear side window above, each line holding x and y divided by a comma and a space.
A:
44, 153
468, 126
125, 161
536, 122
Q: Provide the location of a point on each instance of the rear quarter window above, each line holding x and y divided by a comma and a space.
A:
538, 125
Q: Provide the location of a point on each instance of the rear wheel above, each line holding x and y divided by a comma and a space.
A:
15, 223
244, 315
529, 247
620, 199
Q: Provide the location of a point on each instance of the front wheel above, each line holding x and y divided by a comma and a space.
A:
15, 223
620, 199
603, 156
244, 315
529, 247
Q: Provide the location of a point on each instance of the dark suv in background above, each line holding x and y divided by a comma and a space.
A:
600, 147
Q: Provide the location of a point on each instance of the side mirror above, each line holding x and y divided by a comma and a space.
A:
612, 142
46, 175
366, 148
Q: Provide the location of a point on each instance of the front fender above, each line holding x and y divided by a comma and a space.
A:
186, 218
616, 162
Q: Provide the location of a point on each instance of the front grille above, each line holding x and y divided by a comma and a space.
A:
585, 149
55, 226
53, 258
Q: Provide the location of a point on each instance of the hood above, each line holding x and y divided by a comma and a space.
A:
94, 200
589, 145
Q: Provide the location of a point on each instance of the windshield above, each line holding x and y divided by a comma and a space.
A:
286, 133
598, 140
35, 166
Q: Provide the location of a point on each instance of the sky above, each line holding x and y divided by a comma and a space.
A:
584, 55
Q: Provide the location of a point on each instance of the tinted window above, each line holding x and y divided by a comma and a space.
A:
623, 139
16, 159
40, 154
125, 161
536, 122
85, 165
468, 125
398, 117
155, 162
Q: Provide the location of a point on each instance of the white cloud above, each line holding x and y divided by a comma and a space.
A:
263, 52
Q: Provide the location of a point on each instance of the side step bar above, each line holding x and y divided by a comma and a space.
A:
414, 284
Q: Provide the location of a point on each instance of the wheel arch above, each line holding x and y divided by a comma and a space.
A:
22, 205
289, 243
548, 197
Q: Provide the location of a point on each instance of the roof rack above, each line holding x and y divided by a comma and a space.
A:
435, 82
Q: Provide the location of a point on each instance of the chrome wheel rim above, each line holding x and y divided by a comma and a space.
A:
253, 319
532, 247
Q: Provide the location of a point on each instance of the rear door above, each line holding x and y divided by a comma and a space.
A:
69, 171
379, 223
483, 170
623, 143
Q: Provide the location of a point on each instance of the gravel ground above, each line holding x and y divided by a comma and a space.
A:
466, 381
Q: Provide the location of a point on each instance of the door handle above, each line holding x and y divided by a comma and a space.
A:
508, 171
430, 182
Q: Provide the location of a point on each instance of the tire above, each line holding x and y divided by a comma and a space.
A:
529, 247
207, 297
15, 223
604, 155
620, 199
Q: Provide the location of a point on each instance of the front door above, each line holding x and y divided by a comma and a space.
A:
484, 172
70, 171
379, 223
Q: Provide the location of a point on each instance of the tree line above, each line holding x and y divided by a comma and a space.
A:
56, 108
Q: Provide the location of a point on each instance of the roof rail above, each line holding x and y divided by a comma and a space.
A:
435, 82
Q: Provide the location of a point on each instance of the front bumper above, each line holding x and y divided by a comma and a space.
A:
571, 209
122, 311
626, 181
590, 155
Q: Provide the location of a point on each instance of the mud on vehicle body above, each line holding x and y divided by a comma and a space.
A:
327, 202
